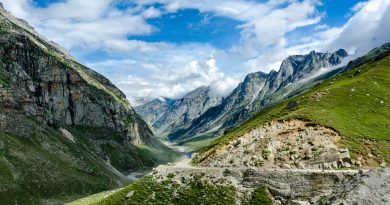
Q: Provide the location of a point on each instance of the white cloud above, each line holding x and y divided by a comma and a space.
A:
367, 29
154, 69
172, 73
358, 6
88, 23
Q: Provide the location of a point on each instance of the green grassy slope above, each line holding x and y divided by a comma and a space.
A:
356, 103
151, 191
47, 168
110, 146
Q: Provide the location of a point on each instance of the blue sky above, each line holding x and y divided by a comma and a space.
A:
191, 25
166, 48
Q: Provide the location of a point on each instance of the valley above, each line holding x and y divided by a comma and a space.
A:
299, 151
316, 131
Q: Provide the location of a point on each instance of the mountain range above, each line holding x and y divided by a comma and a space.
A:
325, 144
257, 91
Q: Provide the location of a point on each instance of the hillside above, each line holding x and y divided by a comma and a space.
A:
342, 123
65, 130
257, 91
354, 103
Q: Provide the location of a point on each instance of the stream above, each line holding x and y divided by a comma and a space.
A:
185, 159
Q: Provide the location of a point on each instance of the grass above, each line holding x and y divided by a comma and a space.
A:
150, 191
93, 199
125, 157
4, 78
260, 196
357, 106
31, 172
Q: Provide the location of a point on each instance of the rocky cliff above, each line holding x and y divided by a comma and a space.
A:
172, 115
58, 116
258, 91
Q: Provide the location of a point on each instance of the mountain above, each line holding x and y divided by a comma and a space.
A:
65, 130
328, 144
258, 91
153, 110
169, 115
353, 104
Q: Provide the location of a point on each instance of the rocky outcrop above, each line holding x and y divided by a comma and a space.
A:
43, 83
172, 115
153, 110
364, 188
286, 144
286, 186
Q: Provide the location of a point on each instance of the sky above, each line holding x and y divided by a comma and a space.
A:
167, 48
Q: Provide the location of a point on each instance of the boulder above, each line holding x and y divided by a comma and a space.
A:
280, 192
129, 195
292, 104
296, 202
344, 155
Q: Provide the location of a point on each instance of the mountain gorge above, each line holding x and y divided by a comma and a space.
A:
314, 132
66, 130
328, 144
257, 91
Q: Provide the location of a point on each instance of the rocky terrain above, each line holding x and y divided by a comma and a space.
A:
172, 115
369, 188
170, 184
256, 92
285, 144
327, 145
65, 130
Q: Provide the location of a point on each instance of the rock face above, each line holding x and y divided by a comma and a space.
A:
153, 110
257, 91
169, 115
44, 83
285, 186
62, 124
289, 144
365, 188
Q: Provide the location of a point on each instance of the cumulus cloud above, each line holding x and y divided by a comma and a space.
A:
367, 29
146, 70
88, 23
172, 73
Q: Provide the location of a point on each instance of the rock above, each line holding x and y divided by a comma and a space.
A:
280, 192
347, 165
383, 164
296, 202
301, 165
344, 155
315, 199
292, 104
286, 166
334, 165
357, 72
67, 134
129, 195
